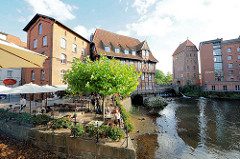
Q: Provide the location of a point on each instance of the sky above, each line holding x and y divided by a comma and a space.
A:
164, 24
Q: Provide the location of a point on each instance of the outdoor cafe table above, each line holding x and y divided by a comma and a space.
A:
94, 122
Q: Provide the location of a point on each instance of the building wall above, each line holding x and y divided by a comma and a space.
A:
32, 35
178, 69
207, 64
58, 33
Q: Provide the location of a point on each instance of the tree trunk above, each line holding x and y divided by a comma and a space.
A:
104, 106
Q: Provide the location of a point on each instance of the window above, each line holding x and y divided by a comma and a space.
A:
238, 57
178, 68
149, 66
63, 72
224, 87
217, 52
139, 65
107, 48
45, 41
213, 88
217, 58
143, 53
230, 72
63, 43
9, 73
194, 67
63, 58
35, 43
33, 75
229, 57
126, 51
83, 51
229, 50
42, 75
131, 62
231, 79
39, 29
147, 53
117, 50
238, 49
181, 67
187, 74
188, 67
230, 65
134, 53
74, 48
149, 78
123, 62
237, 87
142, 77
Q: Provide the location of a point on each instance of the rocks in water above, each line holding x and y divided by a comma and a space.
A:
141, 119
155, 102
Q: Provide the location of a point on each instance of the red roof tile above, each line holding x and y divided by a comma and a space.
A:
113, 40
182, 46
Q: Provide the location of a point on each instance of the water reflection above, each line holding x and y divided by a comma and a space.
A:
199, 128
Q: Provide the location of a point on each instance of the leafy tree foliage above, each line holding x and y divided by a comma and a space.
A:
104, 76
160, 78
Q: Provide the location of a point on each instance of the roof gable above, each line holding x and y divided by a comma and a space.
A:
182, 46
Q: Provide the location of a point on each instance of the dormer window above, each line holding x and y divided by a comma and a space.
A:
117, 50
134, 53
107, 48
126, 51
143, 53
147, 53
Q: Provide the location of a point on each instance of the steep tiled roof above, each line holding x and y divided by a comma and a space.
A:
113, 40
182, 46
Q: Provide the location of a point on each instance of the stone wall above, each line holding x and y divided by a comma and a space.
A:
127, 103
66, 146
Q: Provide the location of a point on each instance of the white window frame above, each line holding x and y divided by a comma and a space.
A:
35, 43
40, 29
131, 62
83, 51
143, 53
229, 50
142, 77
63, 58
147, 53
126, 51
117, 50
134, 53
139, 65
63, 72
63, 43
150, 66
42, 74
74, 48
229, 57
123, 62
45, 41
33, 75
107, 48
149, 77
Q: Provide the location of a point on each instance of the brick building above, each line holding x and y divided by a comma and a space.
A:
220, 64
48, 36
129, 51
11, 73
185, 64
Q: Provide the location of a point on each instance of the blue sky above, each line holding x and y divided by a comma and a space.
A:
163, 23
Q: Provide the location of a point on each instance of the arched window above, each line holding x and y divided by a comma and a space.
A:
63, 58
33, 75
40, 29
42, 75
63, 72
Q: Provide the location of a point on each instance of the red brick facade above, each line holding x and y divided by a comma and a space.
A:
220, 65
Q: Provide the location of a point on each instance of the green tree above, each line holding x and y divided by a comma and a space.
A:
159, 77
168, 78
104, 76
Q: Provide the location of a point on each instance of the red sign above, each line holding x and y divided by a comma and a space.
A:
9, 81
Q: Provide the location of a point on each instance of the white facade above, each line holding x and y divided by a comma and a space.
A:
11, 73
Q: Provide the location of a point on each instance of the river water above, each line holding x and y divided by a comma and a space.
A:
199, 128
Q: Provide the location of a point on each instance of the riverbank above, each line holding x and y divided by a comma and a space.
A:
144, 135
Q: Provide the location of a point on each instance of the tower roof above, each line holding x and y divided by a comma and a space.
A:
182, 46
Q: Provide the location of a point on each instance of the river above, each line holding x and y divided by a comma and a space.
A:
199, 128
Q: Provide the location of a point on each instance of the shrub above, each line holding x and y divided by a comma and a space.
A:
25, 118
115, 133
154, 102
78, 130
64, 122
41, 119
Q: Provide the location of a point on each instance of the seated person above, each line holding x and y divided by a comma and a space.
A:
108, 112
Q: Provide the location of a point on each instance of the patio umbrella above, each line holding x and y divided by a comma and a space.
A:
28, 89
13, 56
50, 89
61, 87
4, 88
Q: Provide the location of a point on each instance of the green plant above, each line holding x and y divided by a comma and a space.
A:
41, 119
25, 118
78, 130
115, 133
64, 122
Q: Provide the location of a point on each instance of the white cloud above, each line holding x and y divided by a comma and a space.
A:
83, 31
19, 11
142, 5
126, 9
123, 32
55, 8
172, 21
21, 19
